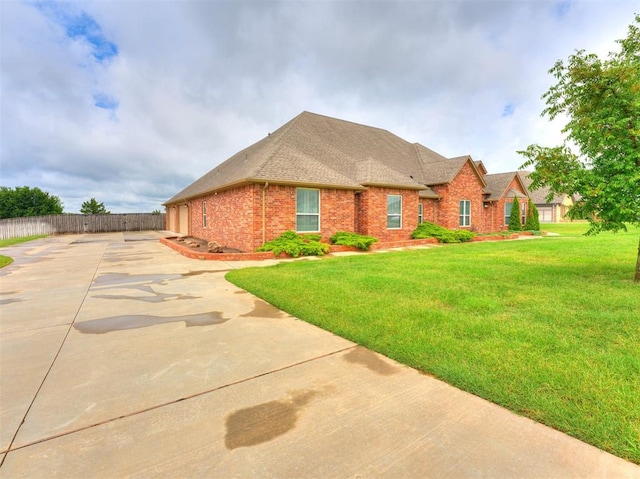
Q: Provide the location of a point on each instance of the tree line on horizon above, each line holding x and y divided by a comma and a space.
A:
25, 201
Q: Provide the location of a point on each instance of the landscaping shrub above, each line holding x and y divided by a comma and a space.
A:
514, 217
533, 222
296, 245
443, 235
346, 238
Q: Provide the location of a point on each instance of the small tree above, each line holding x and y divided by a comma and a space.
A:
514, 217
600, 159
532, 222
92, 207
24, 201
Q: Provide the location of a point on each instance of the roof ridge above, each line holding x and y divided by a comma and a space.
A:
348, 121
287, 127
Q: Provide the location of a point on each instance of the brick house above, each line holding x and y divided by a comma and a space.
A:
322, 175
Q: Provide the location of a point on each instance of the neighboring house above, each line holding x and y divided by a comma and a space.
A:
549, 211
317, 174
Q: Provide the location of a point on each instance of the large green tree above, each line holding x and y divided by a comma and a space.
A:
24, 201
92, 207
600, 159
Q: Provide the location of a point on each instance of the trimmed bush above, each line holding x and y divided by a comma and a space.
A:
514, 217
533, 222
346, 238
443, 235
296, 245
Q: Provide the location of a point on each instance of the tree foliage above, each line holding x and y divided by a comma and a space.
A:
514, 217
599, 162
92, 207
24, 201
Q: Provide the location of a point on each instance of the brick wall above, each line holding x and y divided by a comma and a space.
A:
372, 213
465, 186
429, 210
235, 217
230, 217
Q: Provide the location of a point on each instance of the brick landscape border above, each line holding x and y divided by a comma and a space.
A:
255, 256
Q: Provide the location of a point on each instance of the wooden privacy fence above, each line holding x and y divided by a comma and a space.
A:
61, 224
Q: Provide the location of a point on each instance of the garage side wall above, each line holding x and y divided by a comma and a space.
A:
229, 217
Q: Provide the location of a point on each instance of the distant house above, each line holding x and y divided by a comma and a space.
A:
550, 211
317, 174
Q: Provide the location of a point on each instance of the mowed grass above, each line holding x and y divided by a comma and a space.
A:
6, 260
548, 327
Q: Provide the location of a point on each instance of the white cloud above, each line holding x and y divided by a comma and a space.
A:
193, 82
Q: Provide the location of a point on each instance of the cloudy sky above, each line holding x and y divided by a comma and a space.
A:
129, 101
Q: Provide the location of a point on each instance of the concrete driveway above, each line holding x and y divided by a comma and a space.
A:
119, 357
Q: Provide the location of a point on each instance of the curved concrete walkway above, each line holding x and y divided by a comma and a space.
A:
119, 357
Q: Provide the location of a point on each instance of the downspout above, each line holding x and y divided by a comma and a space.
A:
264, 212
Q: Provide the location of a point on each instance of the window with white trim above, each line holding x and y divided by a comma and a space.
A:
307, 210
507, 212
465, 213
394, 212
420, 215
204, 214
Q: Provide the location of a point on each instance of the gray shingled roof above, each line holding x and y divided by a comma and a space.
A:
313, 149
498, 183
540, 195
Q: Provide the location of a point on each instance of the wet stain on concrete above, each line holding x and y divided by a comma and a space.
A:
262, 309
112, 279
264, 422
198, 273
242, 291
156, 298
370, 360
10, 300
115, 259
136, 321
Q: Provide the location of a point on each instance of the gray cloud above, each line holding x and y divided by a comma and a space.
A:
187, 84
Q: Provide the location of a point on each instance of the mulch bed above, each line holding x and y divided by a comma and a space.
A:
198, 244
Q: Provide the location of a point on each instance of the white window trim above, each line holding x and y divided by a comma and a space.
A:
420, 213
394, 214
462, 216
309, 214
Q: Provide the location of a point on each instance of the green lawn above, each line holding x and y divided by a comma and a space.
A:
6, 260
548, 327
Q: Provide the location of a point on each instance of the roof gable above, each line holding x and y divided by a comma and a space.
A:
498, 185
445, 171
540, 195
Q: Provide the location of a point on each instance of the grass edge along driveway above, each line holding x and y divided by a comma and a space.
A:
6, 260
548, 328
